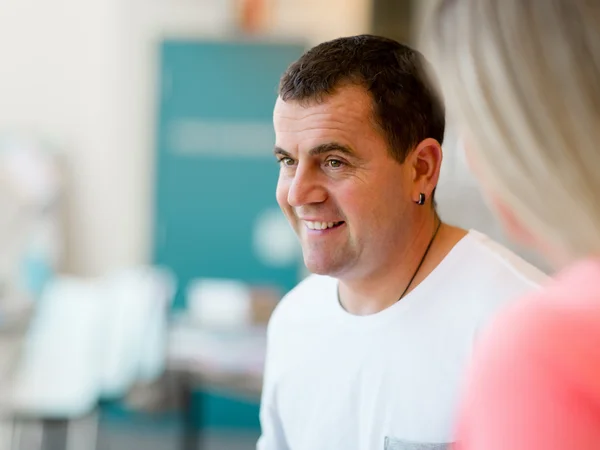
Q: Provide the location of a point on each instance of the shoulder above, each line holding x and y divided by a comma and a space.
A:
493, 276
487, 276
497, 264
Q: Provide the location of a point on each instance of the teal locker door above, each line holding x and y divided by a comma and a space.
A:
216, 174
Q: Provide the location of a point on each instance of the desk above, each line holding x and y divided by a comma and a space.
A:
221, 360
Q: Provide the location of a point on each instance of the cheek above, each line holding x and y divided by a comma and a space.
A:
363, 205
394, 190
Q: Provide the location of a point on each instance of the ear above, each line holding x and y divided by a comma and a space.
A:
425, 160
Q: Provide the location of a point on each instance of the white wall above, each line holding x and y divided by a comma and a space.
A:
59, 81
80, 74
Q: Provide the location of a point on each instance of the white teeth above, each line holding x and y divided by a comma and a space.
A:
319, 225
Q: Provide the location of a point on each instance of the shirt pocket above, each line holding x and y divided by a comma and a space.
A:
400, 444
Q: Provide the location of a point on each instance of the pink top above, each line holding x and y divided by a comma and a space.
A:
535, 382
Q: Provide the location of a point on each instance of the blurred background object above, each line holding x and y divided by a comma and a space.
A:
254, 15
394, 19
30, 216
141, 248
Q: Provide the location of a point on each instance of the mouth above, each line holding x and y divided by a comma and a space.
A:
322, 226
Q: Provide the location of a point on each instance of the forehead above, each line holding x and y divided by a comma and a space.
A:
346, 114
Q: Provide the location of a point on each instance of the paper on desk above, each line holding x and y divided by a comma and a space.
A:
233, 351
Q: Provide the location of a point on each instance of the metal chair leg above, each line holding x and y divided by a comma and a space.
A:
55, 434
83, 433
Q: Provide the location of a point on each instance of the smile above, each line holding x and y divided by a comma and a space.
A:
321, 225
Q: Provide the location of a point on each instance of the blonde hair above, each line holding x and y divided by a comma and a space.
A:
522, 77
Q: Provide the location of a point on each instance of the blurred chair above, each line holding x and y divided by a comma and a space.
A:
57, 380
135, 316
90, 340
154, 347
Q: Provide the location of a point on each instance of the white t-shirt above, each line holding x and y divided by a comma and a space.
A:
387, 381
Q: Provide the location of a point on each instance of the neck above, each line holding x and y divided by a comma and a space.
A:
382, 288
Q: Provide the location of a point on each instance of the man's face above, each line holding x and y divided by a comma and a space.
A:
347, 199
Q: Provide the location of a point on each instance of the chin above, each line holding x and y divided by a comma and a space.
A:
323, 268
317, 269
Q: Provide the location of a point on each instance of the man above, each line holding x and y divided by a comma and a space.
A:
368, 352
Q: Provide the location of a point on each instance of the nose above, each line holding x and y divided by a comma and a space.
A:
306, 188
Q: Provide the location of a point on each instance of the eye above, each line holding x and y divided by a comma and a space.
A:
334, 163
286, 161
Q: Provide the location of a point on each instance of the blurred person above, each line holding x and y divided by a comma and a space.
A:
368, 352
522, 79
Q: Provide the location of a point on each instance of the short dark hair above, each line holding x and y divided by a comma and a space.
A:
406, 107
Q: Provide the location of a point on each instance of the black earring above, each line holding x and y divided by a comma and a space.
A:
421, 201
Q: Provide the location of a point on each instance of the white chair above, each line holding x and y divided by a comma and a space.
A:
57, 380
91, 340
153, 352
135, 320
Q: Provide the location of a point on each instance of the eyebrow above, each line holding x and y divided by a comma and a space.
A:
320, 150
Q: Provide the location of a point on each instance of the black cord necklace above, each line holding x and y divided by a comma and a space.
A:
422, 259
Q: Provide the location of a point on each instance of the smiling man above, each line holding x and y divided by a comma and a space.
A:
368, 352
